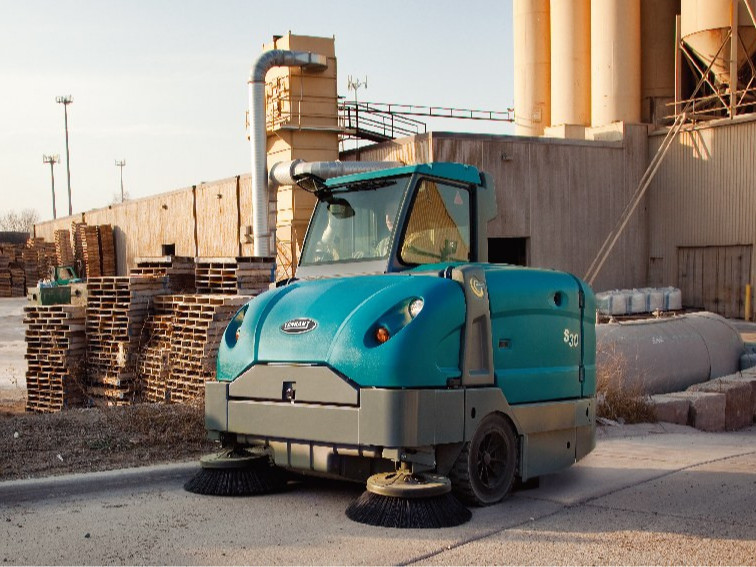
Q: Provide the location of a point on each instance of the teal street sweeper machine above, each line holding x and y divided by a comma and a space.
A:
400, 357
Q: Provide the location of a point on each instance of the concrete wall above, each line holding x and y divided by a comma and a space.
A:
209, 220
703, 197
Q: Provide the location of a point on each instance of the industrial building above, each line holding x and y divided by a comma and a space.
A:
617, 103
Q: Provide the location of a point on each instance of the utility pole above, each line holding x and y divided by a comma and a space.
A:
121, 163
65, 100
52, 160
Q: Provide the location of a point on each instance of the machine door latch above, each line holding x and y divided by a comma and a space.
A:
581, 373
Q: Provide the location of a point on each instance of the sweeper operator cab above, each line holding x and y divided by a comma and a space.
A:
400, 357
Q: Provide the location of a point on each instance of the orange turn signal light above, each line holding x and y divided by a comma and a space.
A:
382, 335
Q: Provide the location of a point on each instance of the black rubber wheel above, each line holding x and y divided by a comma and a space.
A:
484, 472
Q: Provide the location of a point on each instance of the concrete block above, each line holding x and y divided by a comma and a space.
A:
707, 410
745, 378
738, 409
672, 409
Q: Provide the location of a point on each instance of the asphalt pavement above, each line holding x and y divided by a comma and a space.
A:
649, 494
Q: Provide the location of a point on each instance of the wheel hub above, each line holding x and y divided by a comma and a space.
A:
404, 484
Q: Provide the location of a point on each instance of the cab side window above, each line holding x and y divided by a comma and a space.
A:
438, 228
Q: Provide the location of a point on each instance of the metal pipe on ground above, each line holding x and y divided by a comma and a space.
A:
659, 356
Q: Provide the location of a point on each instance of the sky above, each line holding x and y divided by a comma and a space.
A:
162, 84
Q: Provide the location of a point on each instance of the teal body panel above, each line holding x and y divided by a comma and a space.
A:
543, 348
422, 352
538, 334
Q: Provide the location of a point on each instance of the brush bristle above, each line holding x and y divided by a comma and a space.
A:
248, 481
443, 511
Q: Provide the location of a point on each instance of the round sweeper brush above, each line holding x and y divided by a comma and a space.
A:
236, 472
403, 500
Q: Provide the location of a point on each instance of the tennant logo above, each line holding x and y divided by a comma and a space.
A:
299, 326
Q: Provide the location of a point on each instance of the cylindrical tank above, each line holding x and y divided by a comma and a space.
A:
532, 64
615, 61
570, 62
657, 356
705, 25
658, 58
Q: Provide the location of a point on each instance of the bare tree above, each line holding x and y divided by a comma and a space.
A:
23, 221
117, 198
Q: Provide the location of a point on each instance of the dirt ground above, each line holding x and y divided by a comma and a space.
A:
83, 440
96, 439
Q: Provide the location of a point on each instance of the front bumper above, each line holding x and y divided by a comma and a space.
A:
382, 418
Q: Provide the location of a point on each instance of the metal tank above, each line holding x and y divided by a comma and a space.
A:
705, 25
532, 67
570, 62
660, 356
615, 61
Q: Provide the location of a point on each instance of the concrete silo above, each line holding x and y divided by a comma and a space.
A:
532, 67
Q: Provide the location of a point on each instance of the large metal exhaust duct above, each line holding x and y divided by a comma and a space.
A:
258, 135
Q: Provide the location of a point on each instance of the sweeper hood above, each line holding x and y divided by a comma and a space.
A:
391, 330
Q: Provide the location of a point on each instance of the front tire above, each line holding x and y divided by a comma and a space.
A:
484, 472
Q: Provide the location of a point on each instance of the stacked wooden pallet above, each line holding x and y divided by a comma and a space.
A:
154, 362
63, 250
5, 276
179, 269
241, 275
38, 257
116, 311
198, 325
91, 249
77, 232
18, 281
55, 353
107, 250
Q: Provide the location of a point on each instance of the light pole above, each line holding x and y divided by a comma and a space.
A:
52, 160
65, 100
121, 163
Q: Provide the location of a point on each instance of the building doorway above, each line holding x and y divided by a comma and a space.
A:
508, 251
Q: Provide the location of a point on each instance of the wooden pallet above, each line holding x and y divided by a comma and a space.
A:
91, 249
63, 248
245, 275
178, 269
107, 250
180, 352
55, 354
117, 308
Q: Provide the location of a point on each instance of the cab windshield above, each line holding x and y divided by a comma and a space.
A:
354, 223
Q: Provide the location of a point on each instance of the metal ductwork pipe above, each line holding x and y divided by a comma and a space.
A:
258, 134
283, 173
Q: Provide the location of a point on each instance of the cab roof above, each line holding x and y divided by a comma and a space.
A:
446, 170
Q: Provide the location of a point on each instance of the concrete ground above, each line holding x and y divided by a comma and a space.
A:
648, 494
12, 349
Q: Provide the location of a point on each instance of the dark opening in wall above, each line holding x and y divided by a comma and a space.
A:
508, 251
168, 250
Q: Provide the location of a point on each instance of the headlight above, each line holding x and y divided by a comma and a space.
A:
415, 306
